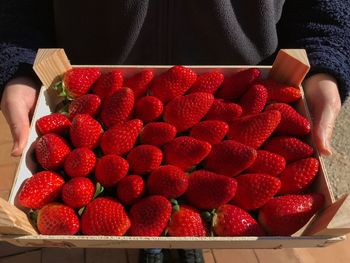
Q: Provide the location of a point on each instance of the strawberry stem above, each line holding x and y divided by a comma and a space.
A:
99, 190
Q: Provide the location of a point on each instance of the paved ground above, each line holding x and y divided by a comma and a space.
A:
338, 165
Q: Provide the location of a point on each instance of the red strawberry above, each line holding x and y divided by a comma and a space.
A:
157, 133
230, 158
268, 163
284, 215
53, 123
223, 111
292, 122
80, 162
253, 130
104, 217
187, 222
168, 181
209, 131
173, 83
57, 219
110, 169
85, 132
148, 109
144, 159
208, 190
207, 82
108, 83
78, 192
77, 81
150, 216
117, 108
139, 83
255, 190
234, 86
292, 149
87, 104
185, 152
254, 100
40, 189
298, 176
278, 92
130, 189
230, 220
185, 111
121, 138
51, 150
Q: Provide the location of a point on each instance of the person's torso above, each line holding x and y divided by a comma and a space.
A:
167, 31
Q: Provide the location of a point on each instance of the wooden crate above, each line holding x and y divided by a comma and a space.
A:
290, 66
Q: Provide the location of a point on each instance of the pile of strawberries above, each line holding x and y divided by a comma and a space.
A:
178, 154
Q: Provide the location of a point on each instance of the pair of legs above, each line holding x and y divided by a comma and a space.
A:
155, 255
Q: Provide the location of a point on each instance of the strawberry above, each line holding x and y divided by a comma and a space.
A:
168, 181
208, 82
234, 86
104, 217
51, 150
298, 175
53, 123
144, 159
87, 104
139, 83
292, 149
255, 190
110, 169
208, 190
292, 122
80, 162
254, 100
284, 215
78, 192
85, 132
185, 111
121, 138
150, 216
130, 189
278, 92
157, 133
268, 163
148, 109
230, 220
173, 83
187, 222
253, 130
40, 189
108, 83
220, 159
185, 152
209, 131
57, 219
77, 81
117, 108
223, 111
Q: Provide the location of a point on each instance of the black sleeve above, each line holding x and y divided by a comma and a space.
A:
26, 25
322, 27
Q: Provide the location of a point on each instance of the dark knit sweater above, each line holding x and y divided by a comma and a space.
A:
212, 32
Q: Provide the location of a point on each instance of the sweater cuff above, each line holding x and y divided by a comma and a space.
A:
335, 65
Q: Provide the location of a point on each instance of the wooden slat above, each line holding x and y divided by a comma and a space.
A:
50, 65
7, 249
208, 256
29, 257
101, 255
290, 66
277, 255
132, 255
59, 255
235, 255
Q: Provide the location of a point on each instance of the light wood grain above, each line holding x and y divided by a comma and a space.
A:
235, 255
50, 65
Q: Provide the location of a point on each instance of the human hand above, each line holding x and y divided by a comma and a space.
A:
324, 103
17, 104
